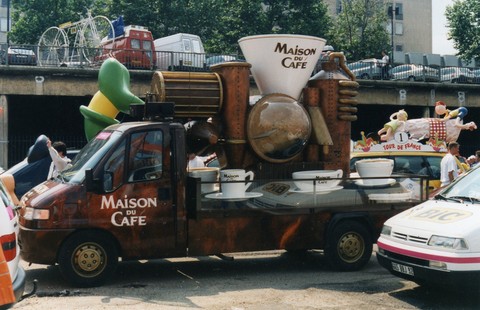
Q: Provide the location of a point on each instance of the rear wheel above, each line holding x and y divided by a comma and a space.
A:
349, 247
88, 259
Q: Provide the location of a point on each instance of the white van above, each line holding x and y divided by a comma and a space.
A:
437, 241
180, 51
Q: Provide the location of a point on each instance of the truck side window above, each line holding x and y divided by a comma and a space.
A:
135, 43
114, 169
145, 158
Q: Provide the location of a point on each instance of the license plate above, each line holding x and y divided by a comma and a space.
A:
402, 268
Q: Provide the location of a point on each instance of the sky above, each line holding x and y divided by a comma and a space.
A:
440, 44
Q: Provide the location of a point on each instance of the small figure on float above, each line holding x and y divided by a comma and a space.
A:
457, 114
397, 122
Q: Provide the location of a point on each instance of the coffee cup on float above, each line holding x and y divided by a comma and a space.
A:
374, 167
233, 182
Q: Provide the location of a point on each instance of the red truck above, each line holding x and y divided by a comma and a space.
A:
134, 48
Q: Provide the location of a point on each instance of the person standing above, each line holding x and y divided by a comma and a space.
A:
60, 161
449, 164
385, 65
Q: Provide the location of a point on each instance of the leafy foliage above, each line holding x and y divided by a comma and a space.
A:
463, 19
360, 29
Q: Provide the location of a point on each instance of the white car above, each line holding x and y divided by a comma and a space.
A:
437, 241
456, 75
411, 72
9, 230
367, 68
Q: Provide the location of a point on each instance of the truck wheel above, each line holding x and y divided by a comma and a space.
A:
349, 247
87, 259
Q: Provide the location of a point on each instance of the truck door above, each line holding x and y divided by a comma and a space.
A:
137, 195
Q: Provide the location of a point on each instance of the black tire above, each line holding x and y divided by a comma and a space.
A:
349, 247
100, 259
365, 76
411, 78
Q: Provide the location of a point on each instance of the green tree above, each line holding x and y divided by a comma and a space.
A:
32, 17
360, 29
463, 19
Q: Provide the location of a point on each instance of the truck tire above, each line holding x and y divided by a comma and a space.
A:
349, 247
87, 259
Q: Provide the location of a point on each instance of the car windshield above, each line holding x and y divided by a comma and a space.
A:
466, 187
89, 156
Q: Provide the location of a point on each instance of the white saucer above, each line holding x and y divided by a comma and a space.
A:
388, 182
317, 191
391, 197
222, 196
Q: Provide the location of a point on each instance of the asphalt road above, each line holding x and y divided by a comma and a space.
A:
267, 280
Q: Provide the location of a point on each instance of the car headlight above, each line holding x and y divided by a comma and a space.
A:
448, 242
36, 214
386, 230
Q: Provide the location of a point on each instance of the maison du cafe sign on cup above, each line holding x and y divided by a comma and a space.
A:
281, 63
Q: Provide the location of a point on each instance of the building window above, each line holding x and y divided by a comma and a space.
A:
398, 48
399, 29
3, 24
4, 3
398, 11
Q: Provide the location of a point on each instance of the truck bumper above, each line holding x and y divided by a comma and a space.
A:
41, 246
420, 271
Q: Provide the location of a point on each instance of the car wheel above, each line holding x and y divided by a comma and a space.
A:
349, 247
411, 78
365, 76
87, 259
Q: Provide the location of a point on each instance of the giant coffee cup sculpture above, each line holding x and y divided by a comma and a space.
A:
278, 127
375, 167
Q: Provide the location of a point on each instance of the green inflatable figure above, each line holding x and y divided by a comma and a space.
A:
113, 97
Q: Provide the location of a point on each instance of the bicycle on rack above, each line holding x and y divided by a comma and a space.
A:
88, 33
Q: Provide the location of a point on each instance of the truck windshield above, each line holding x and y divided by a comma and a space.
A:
89, 156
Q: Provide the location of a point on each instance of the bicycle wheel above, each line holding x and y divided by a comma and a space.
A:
53, 47
93, 33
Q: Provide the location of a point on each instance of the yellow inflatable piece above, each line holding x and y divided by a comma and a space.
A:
102, 105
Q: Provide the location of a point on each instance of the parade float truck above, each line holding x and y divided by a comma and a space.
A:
282, 182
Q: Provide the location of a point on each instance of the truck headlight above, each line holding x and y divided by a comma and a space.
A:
386, 230
36, 214
448, 242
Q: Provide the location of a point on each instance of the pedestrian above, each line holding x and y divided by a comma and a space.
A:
60, 161
385, 65
449, 164
471, 160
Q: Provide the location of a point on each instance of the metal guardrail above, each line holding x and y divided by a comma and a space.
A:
55, 56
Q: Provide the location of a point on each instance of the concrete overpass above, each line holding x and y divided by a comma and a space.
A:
78, 82
38, 81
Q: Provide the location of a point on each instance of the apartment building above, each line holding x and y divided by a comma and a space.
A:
4, 20
412, 25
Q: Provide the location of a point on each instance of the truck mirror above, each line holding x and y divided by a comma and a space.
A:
90, 183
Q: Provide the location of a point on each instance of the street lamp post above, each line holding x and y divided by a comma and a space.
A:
391, 14
8, 22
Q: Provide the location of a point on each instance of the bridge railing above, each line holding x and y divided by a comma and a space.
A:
55, 56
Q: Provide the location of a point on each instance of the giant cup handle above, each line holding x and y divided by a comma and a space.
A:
249, 175
339, 173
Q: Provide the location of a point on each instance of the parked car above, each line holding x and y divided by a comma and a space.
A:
412, 72
19, 56
476, 73
456, 75
216, 59
33, 170
9, 230
437, 242
367, 68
